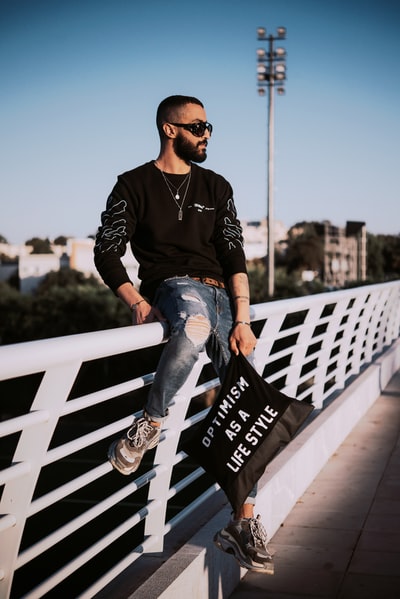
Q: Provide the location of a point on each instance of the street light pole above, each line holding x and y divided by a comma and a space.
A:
270, 190
271, 73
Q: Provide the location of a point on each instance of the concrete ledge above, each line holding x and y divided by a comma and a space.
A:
199, 569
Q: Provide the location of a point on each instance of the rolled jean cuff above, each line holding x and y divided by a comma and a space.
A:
252, 495
251, 500
160, 419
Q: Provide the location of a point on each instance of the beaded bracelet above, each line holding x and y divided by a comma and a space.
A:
134, 306
241, 322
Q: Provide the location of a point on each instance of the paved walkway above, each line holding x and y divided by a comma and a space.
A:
342, 539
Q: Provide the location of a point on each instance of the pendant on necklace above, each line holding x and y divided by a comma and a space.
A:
180, 214
177, 197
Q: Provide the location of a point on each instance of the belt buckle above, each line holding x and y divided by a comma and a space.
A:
210, 282
213, 282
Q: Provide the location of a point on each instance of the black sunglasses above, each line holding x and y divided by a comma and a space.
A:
197, 129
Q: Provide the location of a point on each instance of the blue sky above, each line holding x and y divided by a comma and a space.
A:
81, 81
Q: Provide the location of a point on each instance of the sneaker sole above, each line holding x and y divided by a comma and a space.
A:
111, 458
228, 547
126, 471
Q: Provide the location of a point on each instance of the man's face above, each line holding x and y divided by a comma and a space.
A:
187, 146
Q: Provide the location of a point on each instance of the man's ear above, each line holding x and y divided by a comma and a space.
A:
169, 130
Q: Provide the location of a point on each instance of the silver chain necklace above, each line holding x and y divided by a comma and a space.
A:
176, 196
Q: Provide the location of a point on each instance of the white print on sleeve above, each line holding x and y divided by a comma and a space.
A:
232, 234
232, 231
112, 234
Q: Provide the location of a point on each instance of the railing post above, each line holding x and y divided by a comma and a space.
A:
165, 454
31, 449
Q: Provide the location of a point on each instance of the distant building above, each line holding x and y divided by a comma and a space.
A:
345, 252
80, 252
77, 255
14, 251
33, 268
255, 235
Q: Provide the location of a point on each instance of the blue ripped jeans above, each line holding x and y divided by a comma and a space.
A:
200, 318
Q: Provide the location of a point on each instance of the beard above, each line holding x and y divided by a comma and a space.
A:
190, 152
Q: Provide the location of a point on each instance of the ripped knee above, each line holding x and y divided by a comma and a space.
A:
197, 329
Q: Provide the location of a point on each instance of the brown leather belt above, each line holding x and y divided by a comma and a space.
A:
209, 281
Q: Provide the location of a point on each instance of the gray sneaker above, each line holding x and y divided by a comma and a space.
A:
246, 540
125, 454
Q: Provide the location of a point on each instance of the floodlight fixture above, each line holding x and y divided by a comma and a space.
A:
271, 74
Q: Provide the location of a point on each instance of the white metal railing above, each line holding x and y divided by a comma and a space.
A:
68, 520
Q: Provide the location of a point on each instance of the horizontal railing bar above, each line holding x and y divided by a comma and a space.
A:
85, 556
66, 449
189, 509
87, 401
38, 356
97, 397
116, 341
62, 451
297, 304
89, 515
206, 386
7, 521
16, 470
78, 483
128, 560
19, 423
148, 543
185, 482
44, 501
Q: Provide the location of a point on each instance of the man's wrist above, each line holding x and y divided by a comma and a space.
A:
134, 306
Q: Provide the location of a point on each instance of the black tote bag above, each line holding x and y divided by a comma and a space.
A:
245, 428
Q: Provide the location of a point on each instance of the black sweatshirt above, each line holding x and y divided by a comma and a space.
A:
141, 210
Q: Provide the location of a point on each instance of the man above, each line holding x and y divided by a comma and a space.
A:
181, 222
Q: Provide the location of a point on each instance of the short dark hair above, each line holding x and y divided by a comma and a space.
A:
168, 107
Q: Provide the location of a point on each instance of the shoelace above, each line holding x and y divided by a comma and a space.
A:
258, 532
137, 434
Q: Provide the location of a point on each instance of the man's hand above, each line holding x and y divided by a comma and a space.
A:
242, 339
145, 313
142, 311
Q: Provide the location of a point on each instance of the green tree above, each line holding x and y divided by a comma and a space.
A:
305, 249
375, 260
391, 255
289, 285
257, 281
81, 309
66, 277
61, 240
40, 246
15, 309
77, 305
